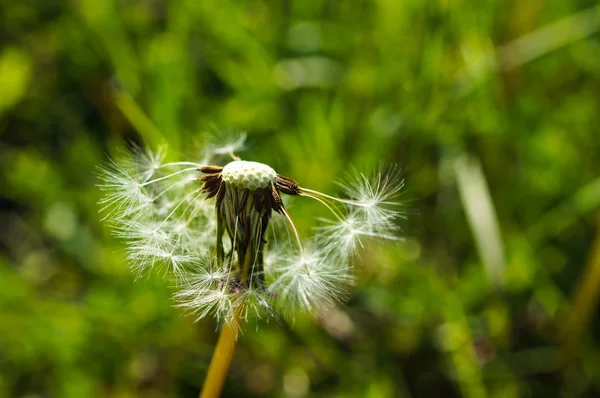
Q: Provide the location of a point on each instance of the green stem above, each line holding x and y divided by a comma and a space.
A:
221, 360
219, 364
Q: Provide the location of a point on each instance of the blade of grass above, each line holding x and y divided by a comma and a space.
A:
529, 47
136, 116
584, 301
584, 201
477, 201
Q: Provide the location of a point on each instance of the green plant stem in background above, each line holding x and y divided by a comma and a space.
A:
138, 119
583, 303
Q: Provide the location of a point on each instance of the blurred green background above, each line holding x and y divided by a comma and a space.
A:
491, 107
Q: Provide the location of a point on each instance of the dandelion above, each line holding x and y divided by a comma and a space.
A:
208, 225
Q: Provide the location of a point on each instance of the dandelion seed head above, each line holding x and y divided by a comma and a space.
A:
223, 233
248, 175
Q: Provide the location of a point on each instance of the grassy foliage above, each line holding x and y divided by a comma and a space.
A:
490, 107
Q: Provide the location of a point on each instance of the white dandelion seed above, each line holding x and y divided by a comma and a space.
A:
310, 279
376, 197
344, 235
371, 210
125, 197
226, 144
